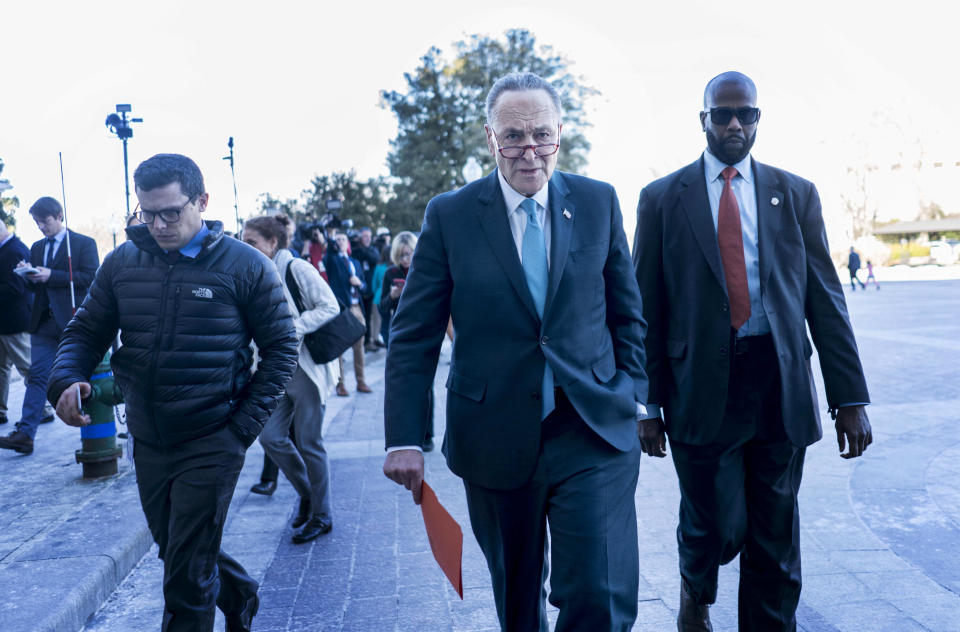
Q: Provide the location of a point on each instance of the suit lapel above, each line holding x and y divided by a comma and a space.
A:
492, 214
696, 204
61, 255
768, 216
561, 227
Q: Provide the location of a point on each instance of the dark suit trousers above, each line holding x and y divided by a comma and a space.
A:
185, 490
583, 489
739, 495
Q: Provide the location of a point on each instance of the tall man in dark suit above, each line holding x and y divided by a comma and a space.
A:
733, 263
546, 377
52, 308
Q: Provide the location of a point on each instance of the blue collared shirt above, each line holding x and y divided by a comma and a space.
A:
518, 217
193, 247
744, 189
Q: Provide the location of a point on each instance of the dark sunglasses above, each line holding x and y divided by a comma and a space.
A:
722, 116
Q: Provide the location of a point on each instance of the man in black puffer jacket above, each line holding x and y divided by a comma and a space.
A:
187, 301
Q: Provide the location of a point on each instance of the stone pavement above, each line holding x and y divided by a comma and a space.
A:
879, 534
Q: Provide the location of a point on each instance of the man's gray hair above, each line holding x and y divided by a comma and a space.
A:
519, 82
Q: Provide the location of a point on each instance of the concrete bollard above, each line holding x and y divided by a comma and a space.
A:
100, 452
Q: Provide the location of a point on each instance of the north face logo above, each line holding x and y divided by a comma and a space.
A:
203, 292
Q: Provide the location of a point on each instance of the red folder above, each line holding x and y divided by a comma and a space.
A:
446, 537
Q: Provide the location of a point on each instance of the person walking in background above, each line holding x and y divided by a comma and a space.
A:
368, 256
391, 287
52, 308
401, 253
303, 462
314, 250
546, 378
345, 276
376, 317
732, 260
16, 297
187, 301
853, 265
870, 276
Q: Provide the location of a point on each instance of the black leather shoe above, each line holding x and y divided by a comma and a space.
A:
3, 418
264, 488
303, 513
317, 526
47, 419
693, 617
17, 441
243, 620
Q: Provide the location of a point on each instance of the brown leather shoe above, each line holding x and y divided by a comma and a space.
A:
693, 617
362, 387
18, 442
342, 390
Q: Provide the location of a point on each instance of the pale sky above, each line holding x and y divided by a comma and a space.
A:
297, 84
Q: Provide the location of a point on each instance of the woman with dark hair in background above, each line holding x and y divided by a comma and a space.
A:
302, 405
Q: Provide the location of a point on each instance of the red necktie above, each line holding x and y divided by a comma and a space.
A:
730, 239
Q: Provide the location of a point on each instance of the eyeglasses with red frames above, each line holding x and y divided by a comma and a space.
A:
543, 149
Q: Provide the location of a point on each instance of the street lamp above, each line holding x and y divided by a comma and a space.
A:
119, 124
471, 170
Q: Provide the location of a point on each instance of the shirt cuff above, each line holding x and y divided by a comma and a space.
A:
404, 447
651, 411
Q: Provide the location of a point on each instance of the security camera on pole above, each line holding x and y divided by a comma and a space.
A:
119, 124
233, 174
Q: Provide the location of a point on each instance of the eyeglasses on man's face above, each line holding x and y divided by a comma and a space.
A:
168, 215
548, 143
722, 116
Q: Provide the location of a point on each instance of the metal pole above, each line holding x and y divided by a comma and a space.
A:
126, 171
63, 191
236, 199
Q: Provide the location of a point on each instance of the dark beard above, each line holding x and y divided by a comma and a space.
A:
729, 154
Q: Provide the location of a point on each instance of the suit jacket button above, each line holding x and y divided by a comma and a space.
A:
535, 396
724, 307
723, 352
545, 340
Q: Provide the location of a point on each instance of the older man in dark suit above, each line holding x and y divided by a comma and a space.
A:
732, 261
53, 305
546, 373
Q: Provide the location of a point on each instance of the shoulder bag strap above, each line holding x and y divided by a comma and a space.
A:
294, 288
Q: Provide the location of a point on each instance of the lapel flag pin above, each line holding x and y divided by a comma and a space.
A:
567, 214
774, 201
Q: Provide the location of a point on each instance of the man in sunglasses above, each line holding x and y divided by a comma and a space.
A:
546, 374
187, 302
732, 260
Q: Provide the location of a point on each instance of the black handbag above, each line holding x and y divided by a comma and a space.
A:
334, 336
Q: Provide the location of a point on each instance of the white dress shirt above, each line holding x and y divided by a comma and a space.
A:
518, 217
57, 240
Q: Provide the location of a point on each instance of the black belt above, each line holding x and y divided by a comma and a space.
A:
748, 344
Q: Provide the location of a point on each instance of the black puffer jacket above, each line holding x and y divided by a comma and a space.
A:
185, 329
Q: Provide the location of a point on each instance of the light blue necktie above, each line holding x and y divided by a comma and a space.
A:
533, 255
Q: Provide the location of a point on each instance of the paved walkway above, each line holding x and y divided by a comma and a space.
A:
879, 534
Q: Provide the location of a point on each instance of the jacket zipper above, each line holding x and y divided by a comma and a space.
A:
157, 339
176, 310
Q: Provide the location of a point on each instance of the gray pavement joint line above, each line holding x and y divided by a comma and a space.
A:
10, 557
